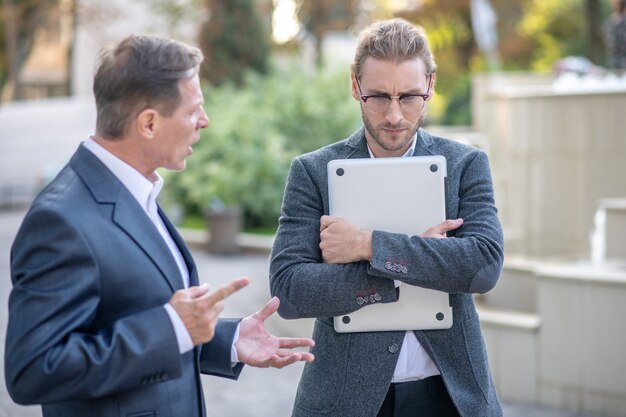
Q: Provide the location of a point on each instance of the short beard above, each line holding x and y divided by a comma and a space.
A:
374, 134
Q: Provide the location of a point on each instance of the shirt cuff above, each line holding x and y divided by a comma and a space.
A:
234, 358
397, 283
185, 344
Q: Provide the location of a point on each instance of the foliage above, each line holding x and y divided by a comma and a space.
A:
554, 27
458, 110
233, 40
311, 108
243, 157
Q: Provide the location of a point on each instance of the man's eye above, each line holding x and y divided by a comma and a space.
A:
380, 99
410, 99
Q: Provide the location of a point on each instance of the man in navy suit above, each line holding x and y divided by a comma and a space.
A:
106, 315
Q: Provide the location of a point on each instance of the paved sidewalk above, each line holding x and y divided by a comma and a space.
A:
258, 392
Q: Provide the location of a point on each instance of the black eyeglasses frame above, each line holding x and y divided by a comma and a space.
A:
389, 98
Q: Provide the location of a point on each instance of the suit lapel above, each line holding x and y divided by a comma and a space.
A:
127, 213
191, 266
129, 216
358, 144
424, 145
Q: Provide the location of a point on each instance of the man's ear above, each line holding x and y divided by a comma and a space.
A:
145, 123
355, 87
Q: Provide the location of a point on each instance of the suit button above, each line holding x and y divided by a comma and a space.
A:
393, 348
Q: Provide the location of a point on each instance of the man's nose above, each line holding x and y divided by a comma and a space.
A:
204, 120
394, 111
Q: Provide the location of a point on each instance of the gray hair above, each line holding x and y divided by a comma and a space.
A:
141, 72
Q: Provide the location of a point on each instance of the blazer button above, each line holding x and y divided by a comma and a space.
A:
393, 348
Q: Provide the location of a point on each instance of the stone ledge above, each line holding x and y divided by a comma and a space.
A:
508, 318
247, 241
607, 272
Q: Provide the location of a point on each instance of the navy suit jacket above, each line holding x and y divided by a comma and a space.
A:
88, 334
352, 371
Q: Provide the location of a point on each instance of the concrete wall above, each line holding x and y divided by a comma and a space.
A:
554, 324
555, 329
554, 154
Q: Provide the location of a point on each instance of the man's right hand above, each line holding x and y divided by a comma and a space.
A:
200, 309
439, 231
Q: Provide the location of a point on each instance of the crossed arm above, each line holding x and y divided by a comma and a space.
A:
315, 254
342, 242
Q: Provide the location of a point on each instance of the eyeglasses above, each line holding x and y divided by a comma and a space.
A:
379, 103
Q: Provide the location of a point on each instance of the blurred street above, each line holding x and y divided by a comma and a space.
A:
258, 392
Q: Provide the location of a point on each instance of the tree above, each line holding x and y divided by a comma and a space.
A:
596, 50
322, 16
234, 40
18, 23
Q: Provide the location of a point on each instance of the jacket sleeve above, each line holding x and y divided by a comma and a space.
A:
306, 286
468, 262
53, 352
215, 356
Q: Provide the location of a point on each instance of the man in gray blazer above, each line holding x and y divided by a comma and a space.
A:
320, 264
106, 316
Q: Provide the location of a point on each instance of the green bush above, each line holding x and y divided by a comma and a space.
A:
243, 156
457, 111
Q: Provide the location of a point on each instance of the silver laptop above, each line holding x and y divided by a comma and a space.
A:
400, 195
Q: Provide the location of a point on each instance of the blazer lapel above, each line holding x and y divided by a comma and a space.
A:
130, 217
424, 144
189, 262
127, 213
358, 144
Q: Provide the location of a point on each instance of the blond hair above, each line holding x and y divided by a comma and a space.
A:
393, 40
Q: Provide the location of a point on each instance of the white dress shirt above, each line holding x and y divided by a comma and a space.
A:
413, 361
146, 192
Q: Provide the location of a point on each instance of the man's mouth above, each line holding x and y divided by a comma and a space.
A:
394, 131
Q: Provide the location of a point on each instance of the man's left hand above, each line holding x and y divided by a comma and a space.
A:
256, 347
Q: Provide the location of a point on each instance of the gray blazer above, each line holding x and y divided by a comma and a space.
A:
352, 371
88, 334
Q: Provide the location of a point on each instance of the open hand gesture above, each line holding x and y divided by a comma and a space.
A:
256, 347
